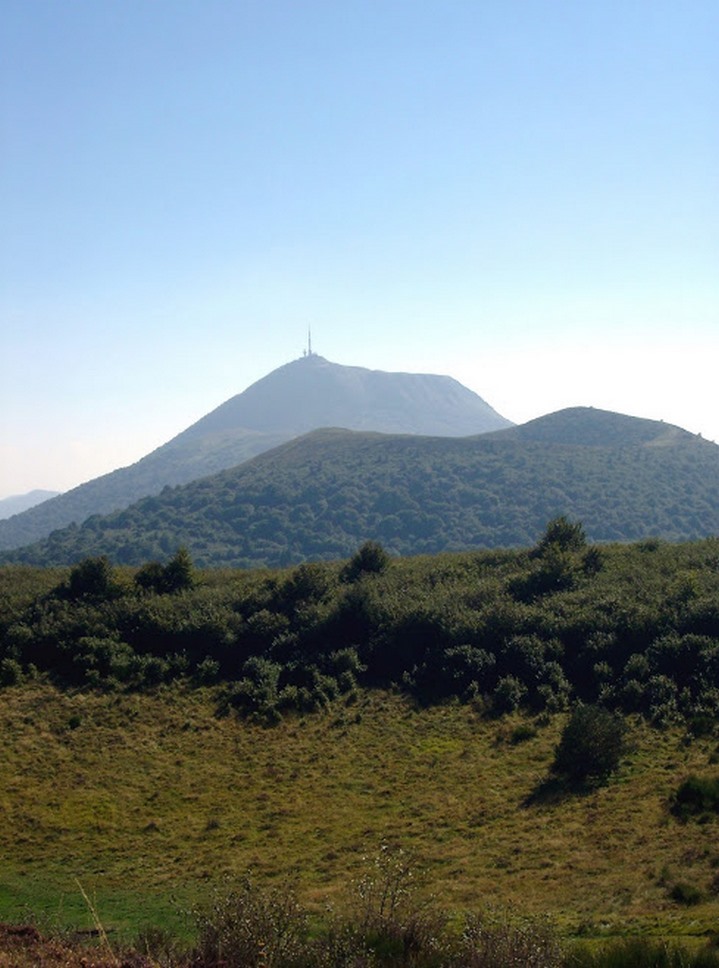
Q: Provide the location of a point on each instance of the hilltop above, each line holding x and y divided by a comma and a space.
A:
304, 395
320, 495
17, 503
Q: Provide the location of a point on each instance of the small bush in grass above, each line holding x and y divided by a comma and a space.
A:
684, 893
522, 733
10, 672
591, 746
697, 798
702, 724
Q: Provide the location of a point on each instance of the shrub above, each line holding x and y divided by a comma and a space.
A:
591, 746
251, 926
10, 672
563, 534
696, 798
176, 576
508, 694
684, 893
493, 940
522, 733
91, 578
391, 924
370, 559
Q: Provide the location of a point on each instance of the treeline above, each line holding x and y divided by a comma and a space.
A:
319, 497
633, 627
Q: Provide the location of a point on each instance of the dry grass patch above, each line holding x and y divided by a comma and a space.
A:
145, 798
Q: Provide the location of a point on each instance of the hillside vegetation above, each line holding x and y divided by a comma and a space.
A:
320, 496
165, 727
301, 396
635, 627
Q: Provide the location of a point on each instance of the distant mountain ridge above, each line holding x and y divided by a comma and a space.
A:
17, 503
300, 396
321, 495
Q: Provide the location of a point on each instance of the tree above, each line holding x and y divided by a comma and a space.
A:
179, 572
91, 578
370, 558
591, 746
175, 576
563, 534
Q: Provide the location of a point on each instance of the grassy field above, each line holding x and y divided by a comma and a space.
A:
146, 801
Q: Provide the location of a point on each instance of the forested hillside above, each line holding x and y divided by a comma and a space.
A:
320, 496
304, 395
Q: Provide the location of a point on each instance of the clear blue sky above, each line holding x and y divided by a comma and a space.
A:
523, 194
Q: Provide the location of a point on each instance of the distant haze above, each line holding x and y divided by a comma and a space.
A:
17, 503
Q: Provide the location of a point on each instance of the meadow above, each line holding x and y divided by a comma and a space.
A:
147, 802
167, 732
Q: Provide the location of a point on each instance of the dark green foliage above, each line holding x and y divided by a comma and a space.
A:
370, 559
91, 579
176, 576
697, 798
321, 497
684, 893
638, 635
591, 745
562, 534
179, 575
522, 733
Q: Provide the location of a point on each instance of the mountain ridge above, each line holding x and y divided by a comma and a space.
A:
299, 396
319, 496
17, 503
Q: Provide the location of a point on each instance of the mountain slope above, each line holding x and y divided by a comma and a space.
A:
17, 503
304, 395
321, 495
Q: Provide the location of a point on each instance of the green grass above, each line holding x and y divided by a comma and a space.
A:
148, 801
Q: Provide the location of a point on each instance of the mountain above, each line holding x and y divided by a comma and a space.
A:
321, 495
18, 503
304, 395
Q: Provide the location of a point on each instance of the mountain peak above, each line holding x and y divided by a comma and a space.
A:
312, 392
306, 394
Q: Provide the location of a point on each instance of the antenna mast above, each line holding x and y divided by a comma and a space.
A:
309, 341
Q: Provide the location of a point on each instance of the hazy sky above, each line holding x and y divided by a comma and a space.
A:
522, 194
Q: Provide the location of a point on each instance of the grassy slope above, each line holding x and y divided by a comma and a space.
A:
151, 798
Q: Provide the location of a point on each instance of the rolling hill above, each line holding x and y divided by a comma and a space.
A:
304, 395
17, 503
321, 495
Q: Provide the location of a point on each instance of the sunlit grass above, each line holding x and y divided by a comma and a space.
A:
147, 800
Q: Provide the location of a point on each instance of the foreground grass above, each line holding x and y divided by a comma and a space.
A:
146, 802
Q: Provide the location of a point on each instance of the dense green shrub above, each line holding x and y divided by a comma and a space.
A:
176, 576
591, 745
370, 559
92, 578
697, 798
517, 629
563, 534
684, 893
